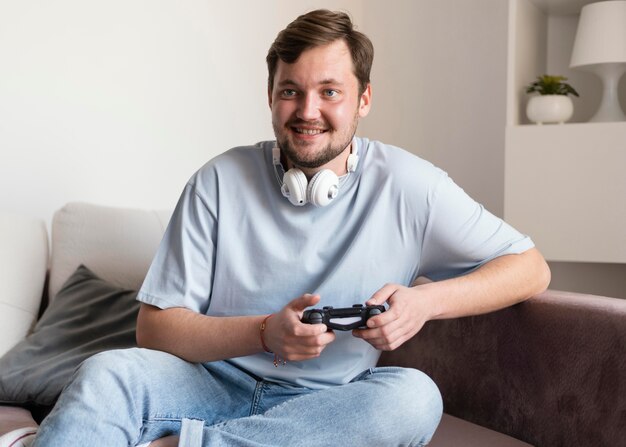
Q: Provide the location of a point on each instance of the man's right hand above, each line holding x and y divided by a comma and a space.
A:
292, 340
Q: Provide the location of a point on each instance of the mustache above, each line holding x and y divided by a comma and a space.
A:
300, 122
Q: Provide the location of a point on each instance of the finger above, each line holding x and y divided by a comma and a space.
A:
384, 331
301, 303
378, 320
382, 325
309, 347
387, 341
383, 319
299, 357
382, 295
308, 330
326, 338
318, 340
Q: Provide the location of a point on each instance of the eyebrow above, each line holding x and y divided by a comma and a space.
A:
292, 83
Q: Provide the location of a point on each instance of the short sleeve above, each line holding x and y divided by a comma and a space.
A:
461, 234
181, 274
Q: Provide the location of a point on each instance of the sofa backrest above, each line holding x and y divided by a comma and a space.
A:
117, 244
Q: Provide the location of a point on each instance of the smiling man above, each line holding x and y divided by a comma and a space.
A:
316, 105
261, 233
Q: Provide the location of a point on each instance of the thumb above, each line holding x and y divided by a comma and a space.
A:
306, 300
382, 295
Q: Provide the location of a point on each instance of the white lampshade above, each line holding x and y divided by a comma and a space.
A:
600, 47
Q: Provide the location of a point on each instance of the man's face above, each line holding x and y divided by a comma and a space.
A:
316, 107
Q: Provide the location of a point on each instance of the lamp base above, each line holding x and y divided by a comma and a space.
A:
610, 75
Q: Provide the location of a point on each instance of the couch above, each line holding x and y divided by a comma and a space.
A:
548, 372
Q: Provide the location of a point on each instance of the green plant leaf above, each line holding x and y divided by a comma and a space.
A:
551, 85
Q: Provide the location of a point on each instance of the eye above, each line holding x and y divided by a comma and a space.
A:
288, 93
331, 93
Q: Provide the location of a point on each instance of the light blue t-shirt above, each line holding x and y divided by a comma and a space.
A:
236, 246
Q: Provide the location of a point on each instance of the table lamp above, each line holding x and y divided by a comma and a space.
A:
600, 47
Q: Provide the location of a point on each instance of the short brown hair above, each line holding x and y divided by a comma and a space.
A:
317, 28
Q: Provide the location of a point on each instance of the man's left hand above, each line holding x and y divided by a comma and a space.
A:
406, 315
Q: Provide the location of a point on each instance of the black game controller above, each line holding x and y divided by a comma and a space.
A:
328, 315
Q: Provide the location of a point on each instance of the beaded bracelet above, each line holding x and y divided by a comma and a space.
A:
277, 359
262, 330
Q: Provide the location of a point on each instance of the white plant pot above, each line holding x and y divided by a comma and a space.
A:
550, 109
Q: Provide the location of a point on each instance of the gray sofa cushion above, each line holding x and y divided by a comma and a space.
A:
88, 316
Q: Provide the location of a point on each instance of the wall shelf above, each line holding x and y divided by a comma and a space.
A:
565, 184
566, 187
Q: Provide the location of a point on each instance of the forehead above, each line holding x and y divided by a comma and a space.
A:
318, 65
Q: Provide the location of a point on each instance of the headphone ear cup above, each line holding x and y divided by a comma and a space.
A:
295, 187
323, 187
353, 160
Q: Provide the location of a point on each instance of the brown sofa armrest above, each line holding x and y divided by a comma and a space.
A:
550, 371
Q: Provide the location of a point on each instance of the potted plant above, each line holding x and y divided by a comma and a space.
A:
552, 105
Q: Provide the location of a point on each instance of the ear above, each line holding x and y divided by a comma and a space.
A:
365, 102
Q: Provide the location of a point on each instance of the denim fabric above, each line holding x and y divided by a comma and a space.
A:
129, 397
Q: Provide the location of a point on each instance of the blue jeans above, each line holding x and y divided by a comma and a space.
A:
129, 397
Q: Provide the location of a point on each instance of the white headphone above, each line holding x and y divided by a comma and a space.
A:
323, 187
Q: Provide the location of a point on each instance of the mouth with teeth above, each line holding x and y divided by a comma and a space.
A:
306, 129
302, 131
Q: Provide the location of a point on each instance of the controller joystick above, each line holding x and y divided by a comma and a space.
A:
315, 318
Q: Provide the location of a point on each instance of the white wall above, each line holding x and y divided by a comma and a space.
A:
439, 87
118, 102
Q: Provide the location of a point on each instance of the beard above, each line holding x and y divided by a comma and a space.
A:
301, 157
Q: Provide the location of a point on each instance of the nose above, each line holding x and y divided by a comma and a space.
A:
309, 107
